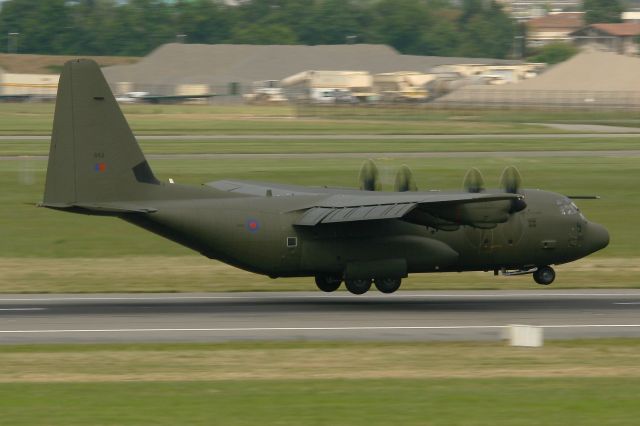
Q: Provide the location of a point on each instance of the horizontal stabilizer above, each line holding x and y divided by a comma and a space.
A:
101, 208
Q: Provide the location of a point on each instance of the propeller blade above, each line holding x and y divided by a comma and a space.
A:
473, 181
368, 177
510, 180
584, 197
404, 180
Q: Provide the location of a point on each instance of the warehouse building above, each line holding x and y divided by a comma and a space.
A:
230, 69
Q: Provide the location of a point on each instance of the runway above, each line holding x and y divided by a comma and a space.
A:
418, 316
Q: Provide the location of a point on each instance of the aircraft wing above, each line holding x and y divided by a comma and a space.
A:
432, 209
339, 205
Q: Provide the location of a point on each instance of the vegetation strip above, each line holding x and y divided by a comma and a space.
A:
311, 360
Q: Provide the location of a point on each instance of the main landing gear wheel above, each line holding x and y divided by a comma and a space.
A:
328, 283
358, 286
388, 285
544, 275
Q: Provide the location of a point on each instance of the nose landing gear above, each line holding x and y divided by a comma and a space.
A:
544, 275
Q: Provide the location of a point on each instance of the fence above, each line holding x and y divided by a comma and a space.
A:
540, 99
533, 100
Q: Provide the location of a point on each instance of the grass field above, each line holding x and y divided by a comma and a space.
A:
36, 119
574, 382
346, 145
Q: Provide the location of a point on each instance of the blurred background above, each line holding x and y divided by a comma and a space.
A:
429, 53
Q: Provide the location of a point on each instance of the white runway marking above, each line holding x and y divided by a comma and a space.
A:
258, 329
627, 303
319, 296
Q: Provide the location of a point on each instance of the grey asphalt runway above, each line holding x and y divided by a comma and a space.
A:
450, 315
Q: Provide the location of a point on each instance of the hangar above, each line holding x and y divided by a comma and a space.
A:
226, 68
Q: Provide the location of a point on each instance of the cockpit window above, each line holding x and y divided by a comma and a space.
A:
567, 207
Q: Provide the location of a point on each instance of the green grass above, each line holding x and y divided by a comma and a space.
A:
589, 382
487, 115
346, 145
583, 401
327, 360
36, 119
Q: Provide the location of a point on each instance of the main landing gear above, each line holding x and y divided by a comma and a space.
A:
328, 283
544, 275
358, 286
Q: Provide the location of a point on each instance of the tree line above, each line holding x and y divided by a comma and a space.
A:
475, 28
472, 28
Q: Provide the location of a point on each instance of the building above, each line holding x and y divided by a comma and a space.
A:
523, 10
633, 17
28, 85
229, 69
555, 27
619, 38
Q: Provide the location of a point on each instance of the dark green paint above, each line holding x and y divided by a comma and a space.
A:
97, 167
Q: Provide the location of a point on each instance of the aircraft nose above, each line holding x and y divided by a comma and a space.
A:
597, 237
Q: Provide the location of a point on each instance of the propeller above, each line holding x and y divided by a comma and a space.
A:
404, 180
369, 177
473, 181
510, 181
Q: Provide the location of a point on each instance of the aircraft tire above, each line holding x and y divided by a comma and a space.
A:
328, 283
388, 285
358, 286
544, 275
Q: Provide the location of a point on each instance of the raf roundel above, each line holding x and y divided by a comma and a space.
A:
253, 225
100, 167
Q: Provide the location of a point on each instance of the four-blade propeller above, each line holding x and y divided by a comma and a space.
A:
510, 182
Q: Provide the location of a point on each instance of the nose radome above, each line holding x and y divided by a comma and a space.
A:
597, 237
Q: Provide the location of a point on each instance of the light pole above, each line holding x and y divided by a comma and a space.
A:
518, 46
12, 42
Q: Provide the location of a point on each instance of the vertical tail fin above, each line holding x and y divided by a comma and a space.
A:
94, 156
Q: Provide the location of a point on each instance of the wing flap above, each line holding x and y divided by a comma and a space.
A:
316, 215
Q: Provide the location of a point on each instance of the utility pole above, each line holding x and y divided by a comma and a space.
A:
12, 42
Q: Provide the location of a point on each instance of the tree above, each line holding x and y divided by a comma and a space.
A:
203, 21
599, 11
263, 34
43, 26
401, 24
554, 53
135, 27
486, 31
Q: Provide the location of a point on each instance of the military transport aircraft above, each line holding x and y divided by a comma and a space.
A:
359, 236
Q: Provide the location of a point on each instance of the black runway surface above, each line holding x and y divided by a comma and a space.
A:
436, 315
